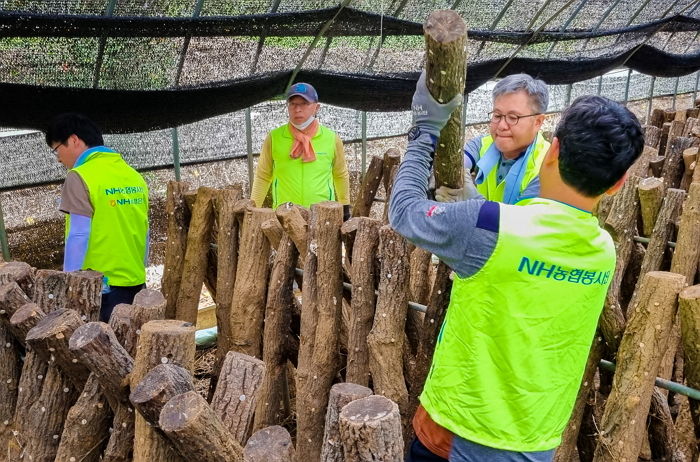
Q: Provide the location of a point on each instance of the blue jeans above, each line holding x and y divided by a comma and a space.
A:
419, 453
117, 295
468, 451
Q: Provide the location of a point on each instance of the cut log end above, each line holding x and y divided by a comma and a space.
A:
149, 297
445, 26
271, 444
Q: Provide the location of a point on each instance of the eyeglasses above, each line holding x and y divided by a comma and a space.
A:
511, 119
55, 148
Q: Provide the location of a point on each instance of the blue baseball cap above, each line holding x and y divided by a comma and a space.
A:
304, 90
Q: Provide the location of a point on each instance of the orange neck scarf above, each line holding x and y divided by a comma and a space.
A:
302, 142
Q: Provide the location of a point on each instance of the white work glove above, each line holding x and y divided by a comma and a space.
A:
429, 115
468, 191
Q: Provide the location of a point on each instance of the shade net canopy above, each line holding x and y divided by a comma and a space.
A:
140, 68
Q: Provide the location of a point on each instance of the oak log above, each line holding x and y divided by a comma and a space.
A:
370, 429
176, 244
340, 395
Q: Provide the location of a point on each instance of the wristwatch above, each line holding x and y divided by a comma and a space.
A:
414, 133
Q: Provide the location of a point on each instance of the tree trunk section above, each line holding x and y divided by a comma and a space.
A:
195, 264
651, 194
421, 262
662, 431
176, 245
320, 327
293, 220
237, 393
197, 432
371, 430
640, 353
369, 187
85, 294
162, 383
392, 159
272, 229
273, 405
19, 272
446, 70
657, 118
160, 342
340, 395
51, 290
689, 307
271, 444
386, 339
248, 307
673, 166
363, 300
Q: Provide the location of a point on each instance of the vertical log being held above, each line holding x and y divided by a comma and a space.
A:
195, 264
237, 392
320, 327
341, 394
371, 430
368, 189
160, 342
386, 339
248, 306
176, 244
638, 358
446, 70
363, 300
271, 444
689, 306
196, 431
273, 405
651, 193
85, 294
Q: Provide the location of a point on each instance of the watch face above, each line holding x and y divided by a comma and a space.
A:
413, 133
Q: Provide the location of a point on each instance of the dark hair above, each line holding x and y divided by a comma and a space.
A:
599, 140
70, 123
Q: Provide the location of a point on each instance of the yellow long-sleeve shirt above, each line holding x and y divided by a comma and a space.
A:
264, 173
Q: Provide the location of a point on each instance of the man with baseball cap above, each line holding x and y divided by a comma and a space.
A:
303, 161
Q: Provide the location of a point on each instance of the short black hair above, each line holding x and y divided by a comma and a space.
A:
599, 141
64, 125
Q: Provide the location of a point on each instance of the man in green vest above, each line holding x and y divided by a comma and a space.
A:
106, 207
302, 161
506, 162
529, 286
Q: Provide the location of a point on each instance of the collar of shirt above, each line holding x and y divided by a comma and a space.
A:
83, 157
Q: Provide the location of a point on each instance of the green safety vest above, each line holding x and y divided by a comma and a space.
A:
119, 196
516, 337
304, 183
494, 191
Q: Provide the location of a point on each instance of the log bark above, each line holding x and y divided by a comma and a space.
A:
19, 272
86, 430
85, 294
97, 348
320, 326
273, 405
652, 136
687, 252
673, 166
10, 369
567, 449
29, 387
641, 167
640, 353
196, 431
12, 298
651, 194
161, 342
237, 393
271, 444
662, 431
272, 229
295, 224
126, 321
689, 307
446, 70
421, 262
162, 383
195, 263
248, 306
51, 290
176, 244
656, 165
341, 394
392, 159
363, 300
371, 430
386, 339
657, 118
369, 187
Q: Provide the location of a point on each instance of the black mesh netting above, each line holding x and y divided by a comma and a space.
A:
141, 67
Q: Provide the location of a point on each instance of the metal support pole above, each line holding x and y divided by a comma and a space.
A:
651, 96
695, 91
363, 168
3, 238
249, 146
627, 86
176, 153
675, 92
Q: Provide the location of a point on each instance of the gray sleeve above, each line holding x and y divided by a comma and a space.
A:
451, 231
532, 189
471, 152
75, 197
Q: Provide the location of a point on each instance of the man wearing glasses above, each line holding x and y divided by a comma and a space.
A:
508, 159
302, 161
106, 207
